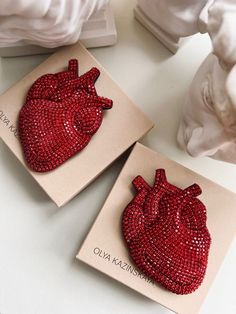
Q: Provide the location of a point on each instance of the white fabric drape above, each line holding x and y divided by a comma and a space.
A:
49, 23
208, 127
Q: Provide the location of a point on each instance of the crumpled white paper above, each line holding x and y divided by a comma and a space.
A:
222, 30
208, 127
48, 23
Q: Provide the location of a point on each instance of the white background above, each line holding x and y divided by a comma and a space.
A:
38, 241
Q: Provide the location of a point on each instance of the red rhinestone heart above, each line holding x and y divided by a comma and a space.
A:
61, 114
166, 234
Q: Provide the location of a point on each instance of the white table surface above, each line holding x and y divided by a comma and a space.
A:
38, 241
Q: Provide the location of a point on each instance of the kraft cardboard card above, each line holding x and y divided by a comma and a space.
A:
105, 249
122, 126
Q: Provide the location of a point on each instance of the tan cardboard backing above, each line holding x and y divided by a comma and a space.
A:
122, 126
105, 250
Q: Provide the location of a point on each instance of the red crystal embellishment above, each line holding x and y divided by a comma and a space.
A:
61, 114
166, 233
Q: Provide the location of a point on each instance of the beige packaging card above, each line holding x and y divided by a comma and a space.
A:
122, 126
105, 250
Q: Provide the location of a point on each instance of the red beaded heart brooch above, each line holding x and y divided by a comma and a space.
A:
61, 114
165, 230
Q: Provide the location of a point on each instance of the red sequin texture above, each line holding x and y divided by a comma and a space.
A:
165, 230
61, 114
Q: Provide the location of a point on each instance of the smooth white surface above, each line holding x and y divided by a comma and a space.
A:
38, 242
